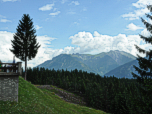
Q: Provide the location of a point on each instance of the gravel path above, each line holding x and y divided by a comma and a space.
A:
68, 97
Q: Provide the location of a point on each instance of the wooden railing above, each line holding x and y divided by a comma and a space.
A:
15, 68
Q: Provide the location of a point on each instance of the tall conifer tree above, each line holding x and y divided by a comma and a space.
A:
145, 64
24, 42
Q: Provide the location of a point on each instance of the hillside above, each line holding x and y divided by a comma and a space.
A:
33, 100
125, 70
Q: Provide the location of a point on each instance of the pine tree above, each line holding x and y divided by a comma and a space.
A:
145, 63
24, 42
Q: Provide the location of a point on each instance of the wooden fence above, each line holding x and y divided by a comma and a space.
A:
9, 81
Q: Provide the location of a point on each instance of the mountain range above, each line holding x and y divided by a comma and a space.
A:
117, 63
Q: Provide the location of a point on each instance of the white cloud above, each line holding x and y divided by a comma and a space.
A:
71, 12
74, 2
84, 9
46, 19
76, 23
56, 13
138, 13
5, 20
9, 0
96, 34
46, 7
1, 16
63, 1
145, 33
38, 27
133, 27
142, 3
103, 43
54, 9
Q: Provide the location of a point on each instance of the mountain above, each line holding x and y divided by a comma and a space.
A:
125, 70
101, 63
64, 61
105, 61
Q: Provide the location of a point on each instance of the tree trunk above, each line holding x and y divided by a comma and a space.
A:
25, 67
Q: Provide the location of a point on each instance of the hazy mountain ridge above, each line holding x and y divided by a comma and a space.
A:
98, 61
64, 61
101, 63
120, 56
125, 70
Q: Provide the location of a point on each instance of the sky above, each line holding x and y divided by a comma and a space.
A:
82, 26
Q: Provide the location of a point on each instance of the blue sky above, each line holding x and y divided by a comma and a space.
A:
85, 27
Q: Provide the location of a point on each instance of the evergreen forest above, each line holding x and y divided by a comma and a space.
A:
109, 94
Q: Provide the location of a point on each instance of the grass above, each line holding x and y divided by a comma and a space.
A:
33, 100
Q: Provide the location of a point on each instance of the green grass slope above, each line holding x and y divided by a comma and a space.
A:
32, 100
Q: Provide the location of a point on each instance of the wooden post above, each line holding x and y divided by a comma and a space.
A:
19, 68
0, 65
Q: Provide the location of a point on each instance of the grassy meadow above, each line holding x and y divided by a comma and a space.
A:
33, 100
